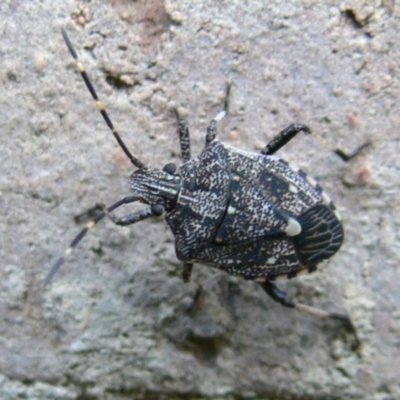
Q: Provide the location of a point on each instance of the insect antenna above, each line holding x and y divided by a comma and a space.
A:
99, 104
90, 225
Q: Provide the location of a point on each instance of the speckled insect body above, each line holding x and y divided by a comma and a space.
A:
249, 214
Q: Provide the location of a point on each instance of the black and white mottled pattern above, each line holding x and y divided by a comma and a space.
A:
252, 215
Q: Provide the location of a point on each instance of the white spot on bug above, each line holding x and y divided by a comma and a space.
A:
295, 169
312, 181
293, 228
302, 271
337, 215
271, 261
321, 264
293, 189
231, 210
273, 157
326, 198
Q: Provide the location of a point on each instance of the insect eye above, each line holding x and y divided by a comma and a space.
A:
170, 168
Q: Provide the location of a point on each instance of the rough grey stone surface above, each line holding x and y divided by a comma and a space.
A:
117, 322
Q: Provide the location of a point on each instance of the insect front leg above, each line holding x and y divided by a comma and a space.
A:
153, 211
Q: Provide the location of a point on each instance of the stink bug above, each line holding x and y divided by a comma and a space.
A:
249, 214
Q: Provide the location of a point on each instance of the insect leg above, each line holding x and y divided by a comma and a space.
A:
284, 137
291, 131
184, 139
187, 271
212, 127
339, 152
153, 211
280, 296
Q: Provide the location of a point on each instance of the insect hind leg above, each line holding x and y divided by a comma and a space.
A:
280, 296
